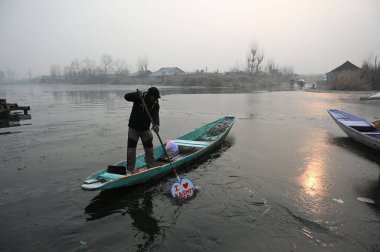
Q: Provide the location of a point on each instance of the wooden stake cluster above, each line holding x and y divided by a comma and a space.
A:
6, 108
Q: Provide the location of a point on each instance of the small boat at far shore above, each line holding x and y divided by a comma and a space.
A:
357, 128
374, 96
192, 146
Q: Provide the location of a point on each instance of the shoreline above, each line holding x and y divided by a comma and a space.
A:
340, 91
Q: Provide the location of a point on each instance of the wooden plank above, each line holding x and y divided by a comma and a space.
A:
91, 181
14, 107
190, 143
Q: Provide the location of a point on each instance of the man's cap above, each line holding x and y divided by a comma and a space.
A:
153, 91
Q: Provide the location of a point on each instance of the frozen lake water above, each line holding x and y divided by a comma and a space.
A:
286, 179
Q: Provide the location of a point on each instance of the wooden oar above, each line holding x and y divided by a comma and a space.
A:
183, 188
159, 138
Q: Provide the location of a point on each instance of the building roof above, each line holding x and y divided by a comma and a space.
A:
346, 66
165, 71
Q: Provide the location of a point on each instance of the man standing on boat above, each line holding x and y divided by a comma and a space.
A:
139, 125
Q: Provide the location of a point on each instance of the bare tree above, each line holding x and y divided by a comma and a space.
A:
121, 67
259, 59
271, 67
75, 66
2, 76
89, 68
255, 58
107, 64
370, 72
236, 68
72, 72
55, 70
142, 65
67, 72
287, 71
10, 75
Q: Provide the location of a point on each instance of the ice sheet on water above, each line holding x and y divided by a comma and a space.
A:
339, 200
366, 200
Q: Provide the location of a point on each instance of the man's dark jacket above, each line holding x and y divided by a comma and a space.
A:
139, 119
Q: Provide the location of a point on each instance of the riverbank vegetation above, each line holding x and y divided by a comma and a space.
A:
258, 72
365, 78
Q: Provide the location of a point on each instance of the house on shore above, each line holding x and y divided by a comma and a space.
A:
167, 71
346, 67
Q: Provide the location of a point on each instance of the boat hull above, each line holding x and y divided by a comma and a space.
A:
357, 128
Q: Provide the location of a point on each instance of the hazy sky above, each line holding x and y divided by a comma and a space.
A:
312, 36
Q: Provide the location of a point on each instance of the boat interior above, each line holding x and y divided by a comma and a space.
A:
185, 147
355, 122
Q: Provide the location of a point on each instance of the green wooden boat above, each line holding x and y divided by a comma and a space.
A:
192, 146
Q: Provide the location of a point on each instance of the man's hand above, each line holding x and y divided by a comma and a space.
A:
155, 128
139, 94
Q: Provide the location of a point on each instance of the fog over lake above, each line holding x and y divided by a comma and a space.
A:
308, 36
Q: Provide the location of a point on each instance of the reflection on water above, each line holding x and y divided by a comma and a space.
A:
13, 120
368, 189
135, 202
86, 96
113, 96
371, 191
356, 148
312, 178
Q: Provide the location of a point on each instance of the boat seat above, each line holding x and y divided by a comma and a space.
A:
91, 181
361, 126
372, 133
356, 123
190, 143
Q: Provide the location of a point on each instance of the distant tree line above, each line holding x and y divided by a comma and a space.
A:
257, 71
370, 73
256, 64
260, 72
7, 76
87, 71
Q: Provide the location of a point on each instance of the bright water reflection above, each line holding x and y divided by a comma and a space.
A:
313, 179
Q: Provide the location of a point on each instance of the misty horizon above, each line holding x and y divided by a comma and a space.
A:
310, 37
